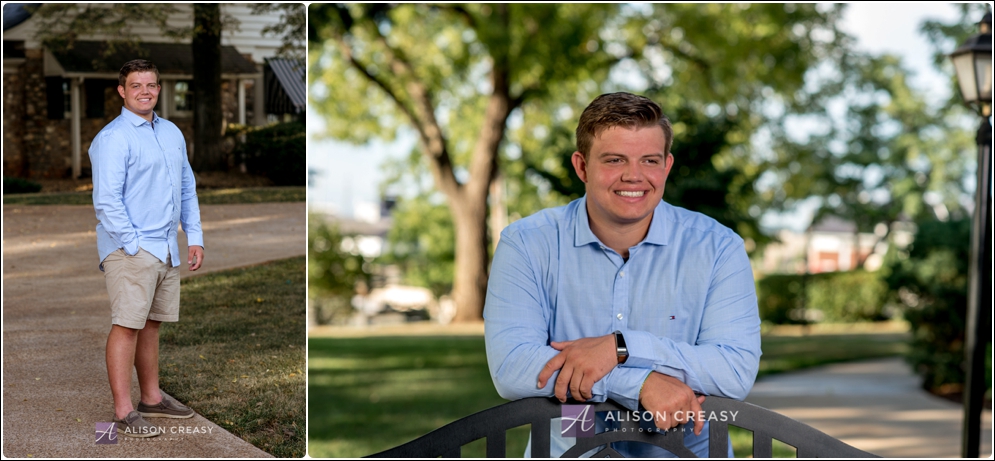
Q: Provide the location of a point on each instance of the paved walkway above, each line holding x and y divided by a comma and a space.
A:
874, 405
56, 318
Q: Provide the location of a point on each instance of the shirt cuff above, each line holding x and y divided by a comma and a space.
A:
623, 385
640, 347
131, 248
195, 240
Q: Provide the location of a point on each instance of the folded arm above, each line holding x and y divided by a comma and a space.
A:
723, 361
726, 355
517, 315
516, 324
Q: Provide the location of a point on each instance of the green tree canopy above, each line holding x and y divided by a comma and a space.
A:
492, 89
880, 150
454, 74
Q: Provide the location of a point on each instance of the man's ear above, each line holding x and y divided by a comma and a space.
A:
120, 91
668, 163
580, 166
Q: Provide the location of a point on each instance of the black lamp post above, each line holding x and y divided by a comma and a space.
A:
973, 65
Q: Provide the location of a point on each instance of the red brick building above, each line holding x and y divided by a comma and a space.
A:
54, 104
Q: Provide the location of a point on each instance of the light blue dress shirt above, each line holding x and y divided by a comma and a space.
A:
684, 300
143, 188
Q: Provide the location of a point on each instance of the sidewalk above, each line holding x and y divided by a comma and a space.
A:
876, 406
56, 318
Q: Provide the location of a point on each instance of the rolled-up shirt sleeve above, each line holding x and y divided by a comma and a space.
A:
109, 158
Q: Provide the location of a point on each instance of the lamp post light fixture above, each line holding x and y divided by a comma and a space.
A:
973, 65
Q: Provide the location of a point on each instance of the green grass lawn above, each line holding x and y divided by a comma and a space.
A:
371, 394
205, 197
237, 355
786, 353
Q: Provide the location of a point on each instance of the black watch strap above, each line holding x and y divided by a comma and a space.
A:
620, 350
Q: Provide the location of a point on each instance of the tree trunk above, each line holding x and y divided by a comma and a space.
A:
207, 119
468, 200
469, 207
470, 281
855, 256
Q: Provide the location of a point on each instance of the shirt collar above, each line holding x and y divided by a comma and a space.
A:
662, 226
136, 119
660, 232
582, 227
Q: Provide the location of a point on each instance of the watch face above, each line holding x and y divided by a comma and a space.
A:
619, 341
620, 349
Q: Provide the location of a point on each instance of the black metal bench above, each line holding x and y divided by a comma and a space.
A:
492, 423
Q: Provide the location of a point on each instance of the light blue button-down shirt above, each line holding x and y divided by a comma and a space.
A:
684, 300
143, 188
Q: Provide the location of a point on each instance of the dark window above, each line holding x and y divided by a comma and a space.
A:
67, 98
55, 92
94, 93
183, 95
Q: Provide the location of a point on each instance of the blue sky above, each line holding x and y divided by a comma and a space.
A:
348, 175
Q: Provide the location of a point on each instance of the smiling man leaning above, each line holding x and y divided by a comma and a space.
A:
143, 189
620, 295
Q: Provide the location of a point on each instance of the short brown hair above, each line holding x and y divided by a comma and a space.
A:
136, 65
620, 109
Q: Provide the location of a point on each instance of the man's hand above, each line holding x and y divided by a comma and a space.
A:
671, 402
581, 363
195, 256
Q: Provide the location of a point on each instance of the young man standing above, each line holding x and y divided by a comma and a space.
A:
143, 188
620, 295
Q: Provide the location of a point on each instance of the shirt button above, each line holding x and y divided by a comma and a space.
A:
621, 274
619, 316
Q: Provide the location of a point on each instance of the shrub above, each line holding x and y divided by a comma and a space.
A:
779, 296
19, 186
278, 152
853, 296
930, 282
422, 243
332, 273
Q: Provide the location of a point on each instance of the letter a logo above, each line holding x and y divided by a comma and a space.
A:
577, 421
106, 433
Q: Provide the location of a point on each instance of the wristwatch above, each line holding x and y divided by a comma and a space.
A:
620, 350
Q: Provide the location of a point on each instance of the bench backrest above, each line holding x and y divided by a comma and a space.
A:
492, 424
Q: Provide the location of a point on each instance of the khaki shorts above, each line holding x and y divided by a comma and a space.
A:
141, 287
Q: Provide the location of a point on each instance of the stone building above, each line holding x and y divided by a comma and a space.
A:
55, 103
833, 244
